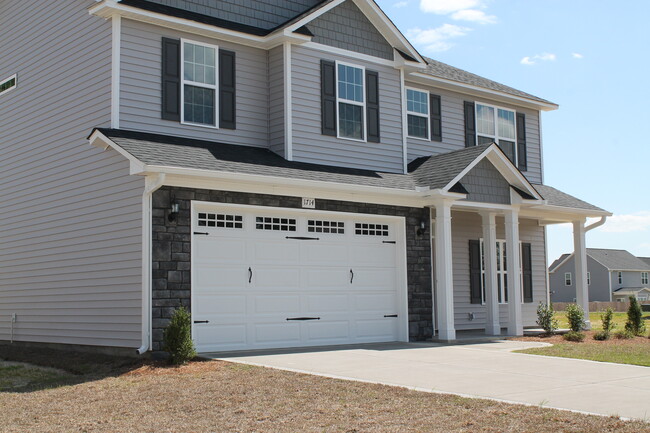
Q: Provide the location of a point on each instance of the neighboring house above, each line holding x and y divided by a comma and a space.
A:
623, 295
293, 172
611, 274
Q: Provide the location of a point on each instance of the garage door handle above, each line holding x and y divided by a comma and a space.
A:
201, 321
303, 318
351, 276
250, 275
389, 242
302, 238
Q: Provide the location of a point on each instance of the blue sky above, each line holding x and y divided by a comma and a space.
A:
591, 58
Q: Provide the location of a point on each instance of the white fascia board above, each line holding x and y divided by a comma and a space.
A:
312, 16
99, 140
481, 92
505, 168
108, 8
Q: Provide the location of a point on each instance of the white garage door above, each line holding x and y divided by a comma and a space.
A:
270, 278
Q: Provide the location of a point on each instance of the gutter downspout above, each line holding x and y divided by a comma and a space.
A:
596, 224
151, 185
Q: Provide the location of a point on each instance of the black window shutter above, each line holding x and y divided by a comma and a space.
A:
527, 271
522, 157
436, 117
171, 79
328, 97
227, 97
372, 105
475, 271
470, 125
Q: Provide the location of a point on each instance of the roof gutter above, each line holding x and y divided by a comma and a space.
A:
596, 224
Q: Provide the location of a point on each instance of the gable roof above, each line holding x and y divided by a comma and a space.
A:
558, 262
448, 72
555, 197
645, 259
630, 290
617, 260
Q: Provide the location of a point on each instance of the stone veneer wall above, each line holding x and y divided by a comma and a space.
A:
171, 255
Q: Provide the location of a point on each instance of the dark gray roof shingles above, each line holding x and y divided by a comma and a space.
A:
448, 72
433, 171
618, 260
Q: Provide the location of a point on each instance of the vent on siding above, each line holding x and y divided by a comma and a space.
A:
366, 229
333, 227
275, 224
220, 220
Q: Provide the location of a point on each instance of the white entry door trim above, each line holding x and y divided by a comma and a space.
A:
236, 230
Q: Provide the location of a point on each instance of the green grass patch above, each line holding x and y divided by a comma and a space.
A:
619, 320
20, 378
634, 354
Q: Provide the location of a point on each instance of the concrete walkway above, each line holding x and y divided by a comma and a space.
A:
487, 370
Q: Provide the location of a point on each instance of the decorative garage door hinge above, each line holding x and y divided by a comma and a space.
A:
388, 242
390, 315
201, 233
303, 318
201, 321
302, 238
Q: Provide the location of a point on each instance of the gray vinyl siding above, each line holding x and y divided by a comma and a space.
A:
485, 184
140, 95
630, 279
309, 145
467, 226
453, 130
265, 14
276, 100
598, 289
348, 28
70, 244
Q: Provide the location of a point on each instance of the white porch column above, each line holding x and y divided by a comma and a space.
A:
492, 324
580, 254
444, 272
515, 320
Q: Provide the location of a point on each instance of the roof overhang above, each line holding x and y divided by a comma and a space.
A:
480, 92
110, 8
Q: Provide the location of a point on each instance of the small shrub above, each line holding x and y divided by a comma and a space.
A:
608, 321
574, 336
546, 318
634, 322
624, 335
601, 335
177, 338
576, 317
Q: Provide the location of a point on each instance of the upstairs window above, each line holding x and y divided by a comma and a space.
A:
350, 101
494, 124
199, 84
620, 277
8, 84
644, 278
417, 113
567, 279
588, 278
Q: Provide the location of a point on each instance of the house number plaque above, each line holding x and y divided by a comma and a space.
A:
309, 203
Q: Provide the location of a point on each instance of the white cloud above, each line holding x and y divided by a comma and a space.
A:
444, 7
544, 57
475, 16
400, 4
636, 222
577, 55
437, 39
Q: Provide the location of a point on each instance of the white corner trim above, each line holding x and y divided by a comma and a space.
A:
116, 35
97, 139
404, 122
288, 103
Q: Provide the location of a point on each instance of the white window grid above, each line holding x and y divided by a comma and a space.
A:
588, 278
620, 277
644, 278
275, 224
321, 226
496, 136
220, 220
199, 84
418, 114
502, 272
362, 104
568, 280
370, 229
8, 84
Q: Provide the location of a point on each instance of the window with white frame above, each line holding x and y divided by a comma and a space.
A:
588, 278
568, 279
620, 277
8, 84
498, 125
502, 271
417, 113
199, 84
350, 100
644, 278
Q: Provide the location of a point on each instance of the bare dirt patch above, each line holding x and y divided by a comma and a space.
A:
222, 396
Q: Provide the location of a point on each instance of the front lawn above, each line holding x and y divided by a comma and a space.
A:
19, 377
220, 396
596, 323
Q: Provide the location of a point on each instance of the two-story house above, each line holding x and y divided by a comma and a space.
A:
612, 275
294, 172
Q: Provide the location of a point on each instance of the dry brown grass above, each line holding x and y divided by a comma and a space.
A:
220, 396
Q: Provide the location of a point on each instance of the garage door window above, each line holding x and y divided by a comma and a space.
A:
367, 229
220, 220
275, 224
332, 227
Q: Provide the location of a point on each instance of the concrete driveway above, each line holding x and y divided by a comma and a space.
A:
487, 370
